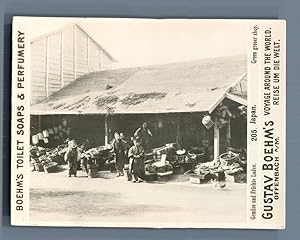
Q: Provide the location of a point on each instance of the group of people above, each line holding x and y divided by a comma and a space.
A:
124, 153
134, 155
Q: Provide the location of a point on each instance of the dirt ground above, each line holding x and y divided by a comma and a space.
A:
56, 199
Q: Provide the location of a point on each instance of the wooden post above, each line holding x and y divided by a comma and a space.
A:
179, 138
228, 134
62, 60
216, 141
106, 126
47, 67
39, 123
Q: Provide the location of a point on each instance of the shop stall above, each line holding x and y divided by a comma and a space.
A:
196, 111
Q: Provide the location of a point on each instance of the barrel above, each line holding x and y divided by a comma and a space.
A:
92, 168
92, 172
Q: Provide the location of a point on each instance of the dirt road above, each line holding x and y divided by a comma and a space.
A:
56, 199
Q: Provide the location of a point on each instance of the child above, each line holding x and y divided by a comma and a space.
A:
71, 157
136, 161
219, 182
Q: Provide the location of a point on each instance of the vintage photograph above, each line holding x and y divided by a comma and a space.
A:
138, 123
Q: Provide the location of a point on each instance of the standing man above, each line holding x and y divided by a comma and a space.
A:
136, 161
126, 145
119, 150
144, 134
72, 157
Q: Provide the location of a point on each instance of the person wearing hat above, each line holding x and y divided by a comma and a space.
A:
144, 134
136, 161
72, 157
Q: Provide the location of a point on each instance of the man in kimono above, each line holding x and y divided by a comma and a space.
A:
144, 134
127, 145
136, 161
119, 150
72, 157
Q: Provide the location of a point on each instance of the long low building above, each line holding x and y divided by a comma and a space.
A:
173, 98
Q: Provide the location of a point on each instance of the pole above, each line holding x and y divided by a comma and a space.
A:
228, 134
216, 141
106, 126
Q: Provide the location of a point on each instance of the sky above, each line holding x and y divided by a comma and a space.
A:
141, 42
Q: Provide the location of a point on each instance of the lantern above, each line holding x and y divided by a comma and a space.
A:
242, 110
207, 122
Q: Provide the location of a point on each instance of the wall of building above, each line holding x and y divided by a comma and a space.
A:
61, 57
165, 127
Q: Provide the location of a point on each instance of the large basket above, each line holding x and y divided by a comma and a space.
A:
196, 154
50, 167
150, 177
228, 157
38, 167
92, 172
59, 159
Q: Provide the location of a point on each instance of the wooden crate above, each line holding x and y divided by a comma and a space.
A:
198, 179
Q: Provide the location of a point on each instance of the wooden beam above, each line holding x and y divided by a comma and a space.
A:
216, 141
179, 137
213, 106
97, 44
106, 126
39, 123
43, 36
237, 99
223, 95
228, 134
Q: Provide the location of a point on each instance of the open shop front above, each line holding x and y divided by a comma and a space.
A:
182, 143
